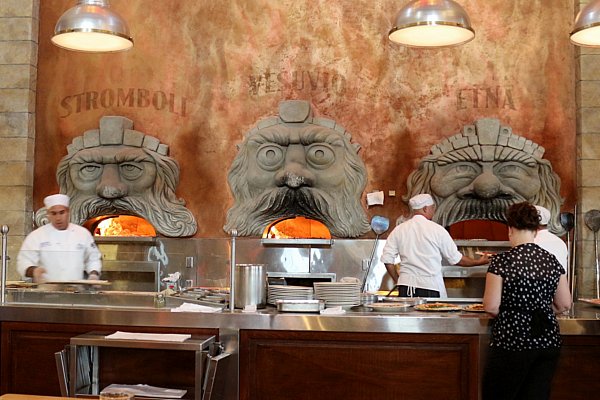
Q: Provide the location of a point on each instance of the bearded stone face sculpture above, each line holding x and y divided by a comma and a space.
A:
296, 165
117, 170
479, 173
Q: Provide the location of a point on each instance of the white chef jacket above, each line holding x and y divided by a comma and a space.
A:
65, 254
553, 244
421, 245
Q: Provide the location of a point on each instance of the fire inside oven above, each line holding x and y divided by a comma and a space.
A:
120, 226
296, 228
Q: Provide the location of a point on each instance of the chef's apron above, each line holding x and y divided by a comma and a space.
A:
414, 279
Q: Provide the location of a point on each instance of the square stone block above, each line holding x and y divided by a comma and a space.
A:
16, 100
589, 175
16, 173
589, 120
15, 198
18, 52
16, 149
589, 198
590, 91
17, 28
589, 67
13, 124
15, 76
19, 8
589, 145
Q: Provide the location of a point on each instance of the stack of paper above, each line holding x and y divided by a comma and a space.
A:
146, 391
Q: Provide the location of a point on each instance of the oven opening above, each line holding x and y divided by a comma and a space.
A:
296, 228
479, 229
120, 226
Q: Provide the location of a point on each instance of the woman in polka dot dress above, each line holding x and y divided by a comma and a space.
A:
524, 289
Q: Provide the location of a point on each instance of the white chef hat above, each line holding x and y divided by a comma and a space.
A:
421, 200
56, 200
544, 214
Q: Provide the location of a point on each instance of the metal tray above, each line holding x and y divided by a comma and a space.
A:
404, 300
300, 305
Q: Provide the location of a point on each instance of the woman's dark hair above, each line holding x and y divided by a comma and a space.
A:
523, 216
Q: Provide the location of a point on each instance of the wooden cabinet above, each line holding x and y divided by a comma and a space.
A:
576, 376
342, 365
28, 365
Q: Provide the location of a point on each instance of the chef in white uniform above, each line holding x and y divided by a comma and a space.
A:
60, 250
420, 245
548, 240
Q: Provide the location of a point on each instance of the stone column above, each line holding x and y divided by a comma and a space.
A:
18, 71
587, 81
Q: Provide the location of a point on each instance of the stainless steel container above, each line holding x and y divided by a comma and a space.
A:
250, 285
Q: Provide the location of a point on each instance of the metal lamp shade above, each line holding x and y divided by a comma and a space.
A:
91, 26
431, 24
586, 31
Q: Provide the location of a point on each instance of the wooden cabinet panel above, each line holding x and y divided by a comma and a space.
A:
28, 365
330, 365
577, 372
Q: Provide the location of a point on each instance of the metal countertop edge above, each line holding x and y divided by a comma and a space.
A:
435, 323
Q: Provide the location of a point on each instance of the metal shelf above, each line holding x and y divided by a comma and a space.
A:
297, 242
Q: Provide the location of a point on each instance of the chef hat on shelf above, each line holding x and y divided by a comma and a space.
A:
56, 200
544, 214
421, 200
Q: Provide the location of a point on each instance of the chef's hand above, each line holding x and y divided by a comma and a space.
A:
39, 275
93, 276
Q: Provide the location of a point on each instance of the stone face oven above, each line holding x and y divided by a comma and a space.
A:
478, 173
115, 170
297, 165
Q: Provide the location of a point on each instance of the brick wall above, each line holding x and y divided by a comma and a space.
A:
18, 70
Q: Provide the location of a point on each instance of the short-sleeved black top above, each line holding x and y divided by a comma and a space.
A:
526, 320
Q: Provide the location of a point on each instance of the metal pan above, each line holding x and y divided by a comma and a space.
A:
408, 300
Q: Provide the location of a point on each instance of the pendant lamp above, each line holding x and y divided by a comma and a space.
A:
91, 26
586, 30
432, 24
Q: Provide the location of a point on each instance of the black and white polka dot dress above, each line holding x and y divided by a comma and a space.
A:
530, 277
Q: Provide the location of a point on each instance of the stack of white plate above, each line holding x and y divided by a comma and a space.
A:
338, 294
282, 292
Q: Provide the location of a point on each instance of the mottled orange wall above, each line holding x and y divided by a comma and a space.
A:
232, 62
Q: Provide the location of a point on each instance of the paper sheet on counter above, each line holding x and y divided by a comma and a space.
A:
191, 307
162, 337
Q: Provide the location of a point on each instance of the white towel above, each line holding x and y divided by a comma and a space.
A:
191, 307
333, 311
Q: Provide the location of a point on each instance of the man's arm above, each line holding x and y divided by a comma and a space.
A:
472, 262
391, 269
36, 273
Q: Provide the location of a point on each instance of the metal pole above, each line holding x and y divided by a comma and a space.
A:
4, 263
364, 282
232, 272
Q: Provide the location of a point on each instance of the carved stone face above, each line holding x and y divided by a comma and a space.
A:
112, 172
291, 158
482, 190
479, 173
289, 170
116, 170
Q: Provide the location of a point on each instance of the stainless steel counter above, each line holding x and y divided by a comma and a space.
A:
585, 319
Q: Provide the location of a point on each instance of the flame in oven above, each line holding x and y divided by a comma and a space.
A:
296, 228
120, 225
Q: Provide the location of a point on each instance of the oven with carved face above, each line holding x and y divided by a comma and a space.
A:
295, 169
477, 176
